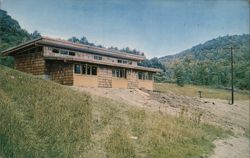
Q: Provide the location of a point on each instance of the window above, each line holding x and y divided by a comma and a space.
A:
88, 70
150, 76
72, 53
64, 52
94, 70
84, 69
120, 73
97, 57
113, 73
140, 75
55, 50
124, 61
77, 68
145, 76
61, 51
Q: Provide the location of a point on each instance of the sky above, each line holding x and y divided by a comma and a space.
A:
155, 27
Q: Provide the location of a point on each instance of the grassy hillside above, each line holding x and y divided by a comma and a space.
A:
43, 119
40, 118
124, 131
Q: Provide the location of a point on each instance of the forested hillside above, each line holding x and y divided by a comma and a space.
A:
11, 34
209, 63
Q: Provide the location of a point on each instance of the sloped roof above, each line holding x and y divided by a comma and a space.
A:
74, 46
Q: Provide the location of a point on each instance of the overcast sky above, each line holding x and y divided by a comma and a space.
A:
156, 27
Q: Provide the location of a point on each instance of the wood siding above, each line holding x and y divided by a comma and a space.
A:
104, 77
32, 63
132, 79
60, 72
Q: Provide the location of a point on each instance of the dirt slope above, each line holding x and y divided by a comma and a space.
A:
215, 111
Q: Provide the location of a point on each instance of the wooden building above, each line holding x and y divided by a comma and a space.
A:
81, 65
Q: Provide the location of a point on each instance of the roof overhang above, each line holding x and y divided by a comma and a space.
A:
141, 68
45, 41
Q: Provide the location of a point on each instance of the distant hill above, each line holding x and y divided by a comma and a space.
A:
11, 34
209, 63
213, 49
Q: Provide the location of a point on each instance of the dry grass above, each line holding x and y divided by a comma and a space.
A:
43, 119
121, 130
207, 92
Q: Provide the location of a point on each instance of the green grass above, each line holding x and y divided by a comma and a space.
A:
207, 92
43, 119
157, 135
40, 118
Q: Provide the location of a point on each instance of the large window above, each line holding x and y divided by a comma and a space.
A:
77, 68
88, 69
145, 76
119, 73
85, 69
94, 70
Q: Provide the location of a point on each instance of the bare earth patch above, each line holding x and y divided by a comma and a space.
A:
232, 147
216, 111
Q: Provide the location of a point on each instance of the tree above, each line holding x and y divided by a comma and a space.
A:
74, 39
179, 74
35, 35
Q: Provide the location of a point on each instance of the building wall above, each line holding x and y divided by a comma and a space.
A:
148, 84
104, 77
132, 79
60, 72
30, 62
85, 80
119, 83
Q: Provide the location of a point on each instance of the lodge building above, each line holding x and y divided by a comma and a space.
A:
81, 65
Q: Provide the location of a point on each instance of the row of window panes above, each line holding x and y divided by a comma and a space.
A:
119, 73
145, 76
61, 51
124, 61
96, 57
85, 69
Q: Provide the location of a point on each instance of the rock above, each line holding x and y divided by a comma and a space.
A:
133, 137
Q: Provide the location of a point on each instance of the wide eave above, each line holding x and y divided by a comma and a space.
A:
45, 41
68, 59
